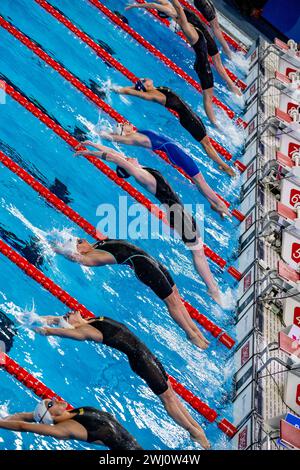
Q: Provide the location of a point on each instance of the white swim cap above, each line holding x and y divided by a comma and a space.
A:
41, 414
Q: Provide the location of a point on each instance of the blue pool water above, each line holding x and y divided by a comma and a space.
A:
85, 374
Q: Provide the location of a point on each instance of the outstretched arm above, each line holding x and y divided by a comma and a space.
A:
187, 28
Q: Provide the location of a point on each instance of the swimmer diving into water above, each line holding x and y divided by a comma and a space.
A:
116, 335
51, 418
179, 219
126, 134
206, 7
166, 8
152, 273
145, 89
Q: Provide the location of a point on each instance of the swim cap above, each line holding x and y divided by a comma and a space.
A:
122, 173
139, 86
41, 414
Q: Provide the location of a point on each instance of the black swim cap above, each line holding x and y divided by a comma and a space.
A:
139, 86
7, 333
122, 173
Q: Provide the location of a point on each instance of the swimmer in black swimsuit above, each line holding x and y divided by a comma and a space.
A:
146, 269
206, 7
166, 8
164, 96
178, 217
116, 335
51, 418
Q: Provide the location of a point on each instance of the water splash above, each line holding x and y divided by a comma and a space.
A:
240, 62
231, 135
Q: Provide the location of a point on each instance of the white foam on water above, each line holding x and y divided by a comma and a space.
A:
41, 235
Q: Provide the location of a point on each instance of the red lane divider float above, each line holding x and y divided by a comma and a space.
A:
115, 19
21, 99
215, 330
229, 39
34, 384
106, 57
242, 85
89, 94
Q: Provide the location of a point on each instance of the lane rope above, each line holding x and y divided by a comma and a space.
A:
73, 304
89, 229
242, 85
89, 93
153, 50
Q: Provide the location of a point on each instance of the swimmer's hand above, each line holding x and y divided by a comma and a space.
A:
105, 135
227, 169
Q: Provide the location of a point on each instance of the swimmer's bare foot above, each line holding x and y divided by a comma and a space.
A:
199, 340
215, 295
200, 438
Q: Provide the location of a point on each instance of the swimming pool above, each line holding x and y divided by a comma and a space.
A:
76, 371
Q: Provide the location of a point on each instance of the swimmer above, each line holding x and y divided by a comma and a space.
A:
179, 219
126, 134
167, 9
116, 335
152, 273
206, 7
145, 89
51, 418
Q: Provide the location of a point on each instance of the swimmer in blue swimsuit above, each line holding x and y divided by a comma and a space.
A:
178, 217
126, 134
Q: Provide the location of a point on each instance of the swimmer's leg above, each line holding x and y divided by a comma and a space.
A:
219, 35
208, 105
206, 144
206, 190
179, 313
181, 416
222, 72
203, 269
